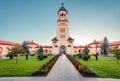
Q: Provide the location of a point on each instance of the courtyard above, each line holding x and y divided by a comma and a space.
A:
105, 67
63, 70
84, 47
23, 67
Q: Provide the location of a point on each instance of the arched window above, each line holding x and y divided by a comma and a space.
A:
46, 51
1, 50
79, 51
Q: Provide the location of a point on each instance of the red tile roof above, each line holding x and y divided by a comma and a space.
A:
81, 46
47, 46
37, 47
94, 43
3, 42
32, 43
78, 46
115, 43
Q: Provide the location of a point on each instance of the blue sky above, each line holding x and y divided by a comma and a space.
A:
37, 20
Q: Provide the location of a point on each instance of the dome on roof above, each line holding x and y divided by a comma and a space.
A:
62, 8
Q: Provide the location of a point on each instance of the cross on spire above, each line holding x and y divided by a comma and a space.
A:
62, 4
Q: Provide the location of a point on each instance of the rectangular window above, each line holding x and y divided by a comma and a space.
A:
62, 36
62, 30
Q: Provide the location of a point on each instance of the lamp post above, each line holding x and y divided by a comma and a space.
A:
96, 45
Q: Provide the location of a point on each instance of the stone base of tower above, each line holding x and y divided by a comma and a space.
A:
62, 50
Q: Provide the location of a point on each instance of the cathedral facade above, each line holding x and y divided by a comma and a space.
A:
62, 43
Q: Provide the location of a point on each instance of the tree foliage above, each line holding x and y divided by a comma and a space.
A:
25, 47
14, 51
86, 50
115, 50
85, 56
104, 46
40, 51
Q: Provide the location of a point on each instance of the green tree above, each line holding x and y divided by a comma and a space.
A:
15, 51
25, 47
86, 50
40, 52
115, 50
85, 56
104, 46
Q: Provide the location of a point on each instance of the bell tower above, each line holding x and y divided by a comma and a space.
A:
62, 43
62, 25
62, 12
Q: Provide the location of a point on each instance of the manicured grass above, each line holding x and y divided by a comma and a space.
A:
23, 67
105, 67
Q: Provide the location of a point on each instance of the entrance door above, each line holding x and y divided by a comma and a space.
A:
62, 49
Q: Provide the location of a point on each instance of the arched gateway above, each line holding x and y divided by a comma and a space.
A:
62, 49
62, 43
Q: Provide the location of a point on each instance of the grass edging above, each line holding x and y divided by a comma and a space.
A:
45, 68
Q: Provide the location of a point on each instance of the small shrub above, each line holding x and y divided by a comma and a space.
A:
80, 68
49, 66
37, 72
85, 67
92, 72
86, 72
44, 56
40, 58
47, 63
10, 55
80, 55
32, 54
76, 64
85, 57
43, 71
44, 65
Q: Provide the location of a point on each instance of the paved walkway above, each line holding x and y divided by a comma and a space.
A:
63, 70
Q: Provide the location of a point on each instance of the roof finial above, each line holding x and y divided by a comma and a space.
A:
62, 4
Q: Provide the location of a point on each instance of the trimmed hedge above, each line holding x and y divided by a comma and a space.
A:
85, 57
84, 70
45, 68
44, 56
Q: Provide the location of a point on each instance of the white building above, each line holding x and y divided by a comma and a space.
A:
62, 43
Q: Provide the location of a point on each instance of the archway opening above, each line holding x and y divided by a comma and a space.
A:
62, 49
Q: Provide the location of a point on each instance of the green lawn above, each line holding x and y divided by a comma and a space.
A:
105, 67
23, 67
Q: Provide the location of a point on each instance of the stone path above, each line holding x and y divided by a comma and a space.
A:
63, 70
